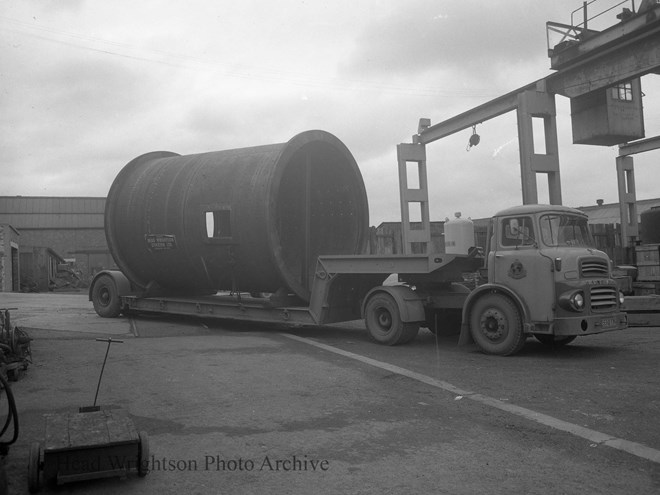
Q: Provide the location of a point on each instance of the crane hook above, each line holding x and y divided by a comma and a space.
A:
474, 138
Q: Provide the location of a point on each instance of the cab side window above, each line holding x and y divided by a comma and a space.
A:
517, 231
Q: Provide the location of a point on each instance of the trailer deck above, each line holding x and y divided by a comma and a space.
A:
337, 281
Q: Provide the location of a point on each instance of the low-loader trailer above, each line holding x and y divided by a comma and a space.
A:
273, 234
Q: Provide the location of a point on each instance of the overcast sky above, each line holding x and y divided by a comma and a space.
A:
85, 86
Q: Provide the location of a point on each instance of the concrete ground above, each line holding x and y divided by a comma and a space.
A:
254, 409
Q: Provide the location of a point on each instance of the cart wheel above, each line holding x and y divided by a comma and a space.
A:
34, 465
143, 454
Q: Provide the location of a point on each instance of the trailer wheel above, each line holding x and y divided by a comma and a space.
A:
105, 298
383, 320
496, 325
553, 340
143, 454
34, 465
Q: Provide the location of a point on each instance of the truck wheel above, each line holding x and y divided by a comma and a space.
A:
383, 321
553, 340
107, 302
496, 325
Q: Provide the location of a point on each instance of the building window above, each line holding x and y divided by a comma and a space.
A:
622, 92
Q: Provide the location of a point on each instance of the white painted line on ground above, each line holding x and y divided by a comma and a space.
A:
634, 448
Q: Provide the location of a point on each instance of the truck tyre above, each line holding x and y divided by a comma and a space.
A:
383, 320
496, 325
105, 298
554, 340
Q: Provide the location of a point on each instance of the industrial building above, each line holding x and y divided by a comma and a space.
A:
9, 271
55, 242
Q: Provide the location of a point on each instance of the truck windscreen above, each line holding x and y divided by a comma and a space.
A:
565, 231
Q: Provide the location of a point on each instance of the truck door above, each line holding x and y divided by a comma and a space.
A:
518, 265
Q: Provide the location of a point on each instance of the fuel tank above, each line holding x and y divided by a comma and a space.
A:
250, 219
459, 235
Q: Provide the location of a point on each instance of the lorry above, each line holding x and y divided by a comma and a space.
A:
277, 234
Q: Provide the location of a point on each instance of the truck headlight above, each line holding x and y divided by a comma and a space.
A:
572, 301
621, 298
577, 301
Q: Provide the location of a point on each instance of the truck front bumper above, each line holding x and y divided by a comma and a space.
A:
589, 324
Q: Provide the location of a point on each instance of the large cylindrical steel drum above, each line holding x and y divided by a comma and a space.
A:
251, 219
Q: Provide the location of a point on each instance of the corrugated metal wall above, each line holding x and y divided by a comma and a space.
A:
51, 212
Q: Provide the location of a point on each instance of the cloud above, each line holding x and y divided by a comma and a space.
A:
87, 86
468, 39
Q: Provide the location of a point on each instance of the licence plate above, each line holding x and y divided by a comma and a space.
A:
608, 323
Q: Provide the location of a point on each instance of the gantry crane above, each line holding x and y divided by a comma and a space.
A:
587, 65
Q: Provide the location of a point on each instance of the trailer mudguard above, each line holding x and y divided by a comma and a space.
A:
465, 337
122, 283
411, 307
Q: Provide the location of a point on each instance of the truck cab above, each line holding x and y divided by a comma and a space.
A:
544, 278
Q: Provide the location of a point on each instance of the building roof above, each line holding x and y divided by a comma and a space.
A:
609, 213
7, 226
534, 208
42, 212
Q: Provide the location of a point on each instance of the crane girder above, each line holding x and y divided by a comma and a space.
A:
626, 51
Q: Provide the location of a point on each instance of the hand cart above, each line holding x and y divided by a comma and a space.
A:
88, 444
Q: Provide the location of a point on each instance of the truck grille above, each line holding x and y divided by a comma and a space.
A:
603, 298
594, 267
